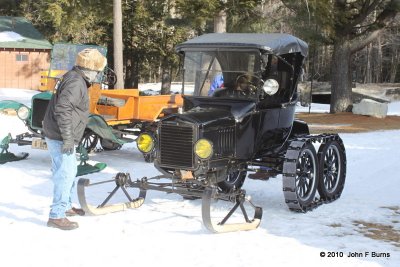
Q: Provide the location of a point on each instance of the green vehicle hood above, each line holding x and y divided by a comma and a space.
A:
10, 104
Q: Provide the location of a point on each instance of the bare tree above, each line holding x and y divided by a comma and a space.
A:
118, 47
220, 21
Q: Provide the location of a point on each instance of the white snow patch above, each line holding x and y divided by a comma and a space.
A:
168, 231
393, 108
9, 36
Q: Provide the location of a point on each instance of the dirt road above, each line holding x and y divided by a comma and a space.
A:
347, 122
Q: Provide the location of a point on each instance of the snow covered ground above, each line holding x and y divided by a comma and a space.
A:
168, 231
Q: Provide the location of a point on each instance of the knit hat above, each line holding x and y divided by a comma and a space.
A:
92, 59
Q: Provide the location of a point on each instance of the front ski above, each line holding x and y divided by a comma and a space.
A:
5, 155
84, 167
8, 157
121, 180
239, 198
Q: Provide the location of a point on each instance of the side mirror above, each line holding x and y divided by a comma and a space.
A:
271, 86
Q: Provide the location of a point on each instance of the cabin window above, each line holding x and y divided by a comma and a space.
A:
21, 57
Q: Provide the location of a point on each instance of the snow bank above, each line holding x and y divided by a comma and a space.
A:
168, 231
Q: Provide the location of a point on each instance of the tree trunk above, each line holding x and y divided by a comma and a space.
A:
118, 47
131, 72
166, 81
128, 72
341, 95
394, 64
378, 61
165, 71
368, 70
220, 22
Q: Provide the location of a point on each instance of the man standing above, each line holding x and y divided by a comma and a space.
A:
63, 126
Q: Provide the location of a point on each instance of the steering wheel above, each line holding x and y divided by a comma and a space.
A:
251, 88
109, 77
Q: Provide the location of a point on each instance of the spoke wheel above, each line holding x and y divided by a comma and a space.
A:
109, 77
306, 175
234, 179
332, 170
89, 140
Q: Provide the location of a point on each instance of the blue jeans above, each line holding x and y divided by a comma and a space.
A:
64, 168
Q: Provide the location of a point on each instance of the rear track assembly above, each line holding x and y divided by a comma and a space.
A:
296, 175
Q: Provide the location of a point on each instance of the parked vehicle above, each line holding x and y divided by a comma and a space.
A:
247, 124
116, 116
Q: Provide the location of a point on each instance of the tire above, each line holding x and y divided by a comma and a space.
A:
89, 140
332, 167
306, 181
233, 180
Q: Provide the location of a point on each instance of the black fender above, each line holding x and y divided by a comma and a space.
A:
299, 128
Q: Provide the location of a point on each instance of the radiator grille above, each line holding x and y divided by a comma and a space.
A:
226, 141
39, 107
176, 146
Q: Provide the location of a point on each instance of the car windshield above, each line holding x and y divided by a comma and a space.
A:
208, 72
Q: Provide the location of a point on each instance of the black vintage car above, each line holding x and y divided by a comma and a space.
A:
240, 93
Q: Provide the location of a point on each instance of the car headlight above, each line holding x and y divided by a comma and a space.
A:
23, 113
271, 86
203, 148
145, 143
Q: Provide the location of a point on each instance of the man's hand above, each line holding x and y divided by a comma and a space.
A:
68, 148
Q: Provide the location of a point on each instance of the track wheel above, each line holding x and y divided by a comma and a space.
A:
300, 175
332, 174
89, 140
306, 175
234, 179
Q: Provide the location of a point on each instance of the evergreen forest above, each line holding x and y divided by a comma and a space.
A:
349, 40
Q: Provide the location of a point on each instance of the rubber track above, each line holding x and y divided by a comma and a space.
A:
289, 171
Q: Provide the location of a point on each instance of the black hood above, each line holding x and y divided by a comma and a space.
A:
207, 111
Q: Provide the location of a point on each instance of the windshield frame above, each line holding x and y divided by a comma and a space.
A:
206, 62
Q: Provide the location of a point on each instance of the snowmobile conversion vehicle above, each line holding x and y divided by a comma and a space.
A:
238, 116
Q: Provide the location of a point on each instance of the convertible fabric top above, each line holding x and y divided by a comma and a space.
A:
276, 43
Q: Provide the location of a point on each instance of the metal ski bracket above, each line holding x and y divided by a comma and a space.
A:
121, 181
211, 193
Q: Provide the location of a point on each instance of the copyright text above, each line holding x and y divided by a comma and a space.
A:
361, 254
